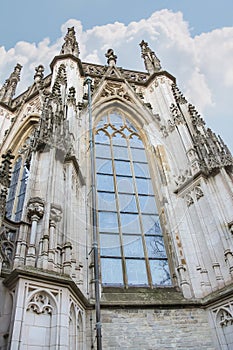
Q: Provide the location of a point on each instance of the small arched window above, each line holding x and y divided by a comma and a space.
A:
132, 249
17, 189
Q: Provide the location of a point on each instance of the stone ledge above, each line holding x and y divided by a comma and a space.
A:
144, 297
50, 277
218, 295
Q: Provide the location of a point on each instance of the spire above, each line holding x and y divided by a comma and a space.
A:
151, 61
70, 45
8, 89
112, 58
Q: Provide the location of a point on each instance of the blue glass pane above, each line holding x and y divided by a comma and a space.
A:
111, 271
141, 170
130, 223
104, 166
103, 151
144, 186
118, 139
120, 153
106, 201
101, 123
110, 245
136, 272
160, 272
110, 129
138, 155
21, 195
132, 246
125, 184
151, 225
108, 222
147, 204
13, 186
122, 168
155, 247
102, 137
126, 131
105, 183
130, 125
116, 120
127, 203
135, 141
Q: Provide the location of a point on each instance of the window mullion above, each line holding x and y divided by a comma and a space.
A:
140, 216
118, 215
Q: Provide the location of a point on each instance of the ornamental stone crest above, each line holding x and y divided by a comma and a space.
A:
115, 89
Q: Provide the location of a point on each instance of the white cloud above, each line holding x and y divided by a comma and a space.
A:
202, 65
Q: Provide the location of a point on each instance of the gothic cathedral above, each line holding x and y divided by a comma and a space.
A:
116, 212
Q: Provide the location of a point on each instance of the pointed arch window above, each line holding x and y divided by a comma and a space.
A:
17, 189
132, 249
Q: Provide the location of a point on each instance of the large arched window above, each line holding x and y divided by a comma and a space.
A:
131, 242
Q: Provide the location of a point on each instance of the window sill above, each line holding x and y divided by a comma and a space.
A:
146, 297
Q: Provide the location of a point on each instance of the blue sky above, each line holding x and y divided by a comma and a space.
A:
192, 38
32, 21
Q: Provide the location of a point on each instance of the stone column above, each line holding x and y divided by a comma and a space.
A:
183, 281
55, 217
35, 212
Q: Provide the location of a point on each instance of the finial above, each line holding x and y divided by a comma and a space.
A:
8, 89
151, 61
112, 58
39, 75
70, 45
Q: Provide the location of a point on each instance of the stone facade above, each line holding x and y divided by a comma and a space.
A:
52, 266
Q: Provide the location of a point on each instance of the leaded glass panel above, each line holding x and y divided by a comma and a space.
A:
132, 246
111, 269
106, 201
160, 272
108, 222
136, 272
110, 245
105, 183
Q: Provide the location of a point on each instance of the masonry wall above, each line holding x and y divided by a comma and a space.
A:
156, 329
